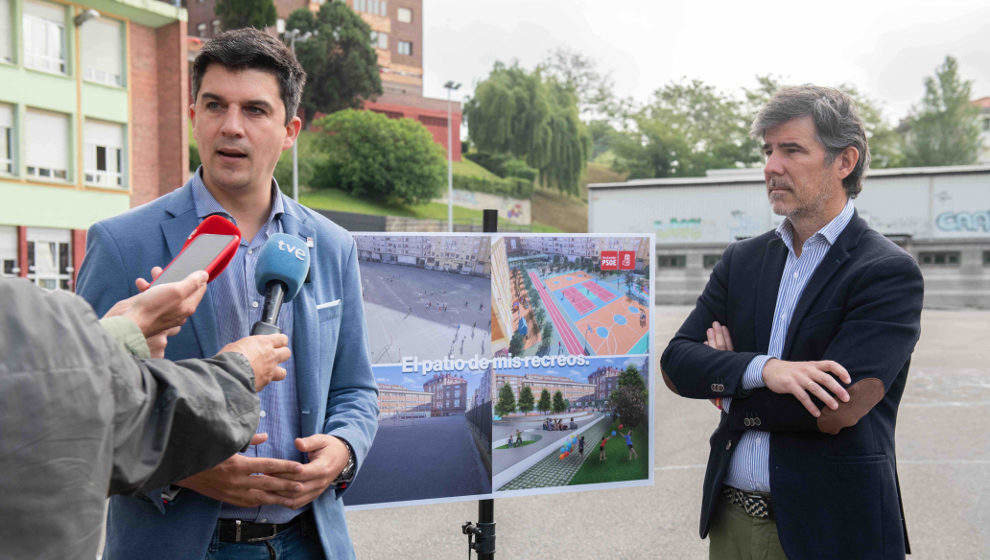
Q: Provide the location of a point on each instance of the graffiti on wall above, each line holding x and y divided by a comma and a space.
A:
678, 229
513, 209
977, 221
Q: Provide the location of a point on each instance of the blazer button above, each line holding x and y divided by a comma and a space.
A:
756, 421
728, 445
747, 422
721, 387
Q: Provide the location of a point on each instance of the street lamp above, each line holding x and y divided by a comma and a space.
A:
293, 36
450, 86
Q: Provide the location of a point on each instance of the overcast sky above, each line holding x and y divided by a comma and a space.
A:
885, 48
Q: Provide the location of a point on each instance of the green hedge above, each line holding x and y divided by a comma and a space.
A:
512, 187
503, 165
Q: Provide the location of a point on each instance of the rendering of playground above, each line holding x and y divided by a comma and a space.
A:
565, 307
426, 447
430, 314
546, 441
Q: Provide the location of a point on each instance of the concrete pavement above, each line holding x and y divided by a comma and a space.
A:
943, 449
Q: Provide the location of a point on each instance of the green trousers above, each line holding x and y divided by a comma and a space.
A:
734, 535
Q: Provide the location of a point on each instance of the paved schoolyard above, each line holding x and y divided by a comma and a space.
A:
943, 448
430, 314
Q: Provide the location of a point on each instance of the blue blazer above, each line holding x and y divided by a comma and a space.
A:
336, 389
833, 496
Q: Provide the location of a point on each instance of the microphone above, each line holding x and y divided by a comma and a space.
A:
283, 264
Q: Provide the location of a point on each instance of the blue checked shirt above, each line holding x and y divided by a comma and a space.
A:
238, 306
750, 466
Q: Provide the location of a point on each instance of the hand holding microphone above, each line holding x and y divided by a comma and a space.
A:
265, 352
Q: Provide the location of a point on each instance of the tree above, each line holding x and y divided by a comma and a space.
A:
526, 400
516, 344
235, 14
558, 402
943, 130
520, 113
506, 401
340, 62
629, 400
688, 128
579, 74
544, 404
352, 158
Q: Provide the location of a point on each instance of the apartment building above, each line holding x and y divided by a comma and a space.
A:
92, 122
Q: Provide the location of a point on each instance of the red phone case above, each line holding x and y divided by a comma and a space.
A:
222, 226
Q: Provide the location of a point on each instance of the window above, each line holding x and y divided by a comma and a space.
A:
46, 137
101, 42
216, 27
375, 7
404, 15
708, 261
104, 155
671, 261
986, 123
433, 121
405, 47
939, 258
6, 36
280, 25
379, 40
8, 251
986, 258
6, 139
201, 30
44, 37
49, 258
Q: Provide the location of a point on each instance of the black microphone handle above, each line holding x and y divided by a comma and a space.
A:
269, 313
273, 302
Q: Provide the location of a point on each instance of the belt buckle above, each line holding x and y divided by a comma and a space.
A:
268, 538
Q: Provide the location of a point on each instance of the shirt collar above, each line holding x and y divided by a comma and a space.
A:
206, 204
830, 232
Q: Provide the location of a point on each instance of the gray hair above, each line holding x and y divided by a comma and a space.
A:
837, 124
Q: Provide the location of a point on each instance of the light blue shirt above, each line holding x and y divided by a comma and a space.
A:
238, 306
750, 466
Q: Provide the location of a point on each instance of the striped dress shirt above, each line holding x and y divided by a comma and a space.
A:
238, 305
750, 466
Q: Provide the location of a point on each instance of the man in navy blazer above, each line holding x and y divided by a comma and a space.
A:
246, 89
803, 336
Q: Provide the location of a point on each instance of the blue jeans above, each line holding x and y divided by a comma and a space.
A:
290, 544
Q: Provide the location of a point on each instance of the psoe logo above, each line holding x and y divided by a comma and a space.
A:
627, 260
610, 260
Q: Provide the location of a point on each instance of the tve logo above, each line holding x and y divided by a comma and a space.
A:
627, 260
298, 252
610, 260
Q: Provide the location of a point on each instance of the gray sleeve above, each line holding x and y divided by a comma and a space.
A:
174, 419
127, 333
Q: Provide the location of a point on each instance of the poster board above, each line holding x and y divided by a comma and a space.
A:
496, 355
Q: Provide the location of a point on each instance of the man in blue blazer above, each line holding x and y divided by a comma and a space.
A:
279, 498
803, 336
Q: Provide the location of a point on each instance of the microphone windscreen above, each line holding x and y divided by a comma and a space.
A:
284, 258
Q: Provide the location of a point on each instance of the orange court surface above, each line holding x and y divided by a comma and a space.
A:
620, 338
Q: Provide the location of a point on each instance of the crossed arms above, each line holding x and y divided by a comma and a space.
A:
880, 324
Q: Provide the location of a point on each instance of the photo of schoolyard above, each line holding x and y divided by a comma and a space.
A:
433, 439
426, 296
571, 425
565, 298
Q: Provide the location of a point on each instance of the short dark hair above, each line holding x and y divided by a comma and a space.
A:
837, 124
241, 49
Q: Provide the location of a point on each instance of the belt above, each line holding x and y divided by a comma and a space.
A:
755, 504
241, 531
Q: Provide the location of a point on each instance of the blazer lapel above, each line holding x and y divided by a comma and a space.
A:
774, 259
304, 322
175, 231
833, 260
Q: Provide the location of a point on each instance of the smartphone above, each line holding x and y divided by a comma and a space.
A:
207, 251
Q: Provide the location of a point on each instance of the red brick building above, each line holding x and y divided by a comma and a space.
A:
449, 394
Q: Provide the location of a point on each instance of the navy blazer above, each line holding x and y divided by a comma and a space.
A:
336, 388
834, 496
